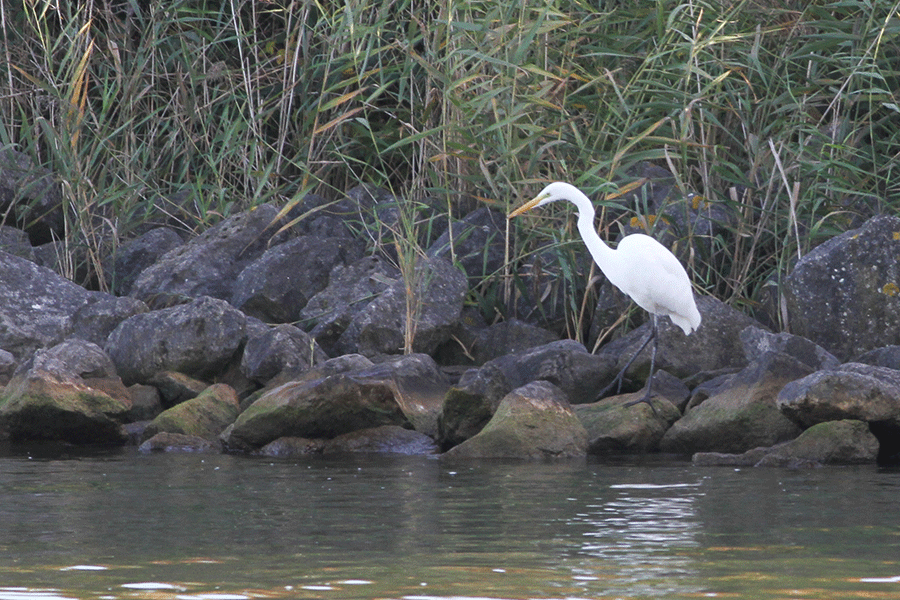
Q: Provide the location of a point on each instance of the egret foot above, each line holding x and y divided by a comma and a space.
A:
645, 399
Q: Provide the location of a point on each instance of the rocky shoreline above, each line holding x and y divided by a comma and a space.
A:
247, 339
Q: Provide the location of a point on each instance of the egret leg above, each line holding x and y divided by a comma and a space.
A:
618, 379
646, 397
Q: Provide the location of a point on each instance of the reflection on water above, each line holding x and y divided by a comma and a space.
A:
121, 525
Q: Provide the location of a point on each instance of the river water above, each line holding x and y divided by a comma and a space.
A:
119, 524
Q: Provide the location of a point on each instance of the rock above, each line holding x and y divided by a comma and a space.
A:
851, 391
197, 339
320, 408
15, 242
96, 319
145, 403
758, 341
723, 459
470, 404
534, 421
614, 428
715, 345
844, 442
52, 398
277, 285
834, 443
742, 414
419, 388
844, 295
31, 196
205, 416
7, 367
476, 243
277, 350
434, 305
175, 388
387, 439
179, 442
509, 337
886, 356
292, 446
209, 264
132, 257
326, 218
35, 306
350, 289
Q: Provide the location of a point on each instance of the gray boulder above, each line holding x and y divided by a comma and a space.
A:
851, 391
886, 356
16, 242
31, 196
534, 421
508, 337
277, 285
742, 414
350, 290
7, 366
209, 264
132, 257
757, 341
279, 352
476, 243
470, 404
432, 302
844, 294
198, 339
101, 314
36, 306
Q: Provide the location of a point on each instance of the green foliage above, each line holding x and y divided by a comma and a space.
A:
785, 114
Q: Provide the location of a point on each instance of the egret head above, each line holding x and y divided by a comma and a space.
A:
551, 193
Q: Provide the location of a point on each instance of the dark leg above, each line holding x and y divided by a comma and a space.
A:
621, 375
646, 397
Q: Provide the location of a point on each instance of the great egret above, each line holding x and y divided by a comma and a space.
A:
640, 266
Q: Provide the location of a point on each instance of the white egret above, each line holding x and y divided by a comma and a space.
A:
645, 270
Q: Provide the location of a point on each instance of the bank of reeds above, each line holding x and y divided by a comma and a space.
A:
786, 113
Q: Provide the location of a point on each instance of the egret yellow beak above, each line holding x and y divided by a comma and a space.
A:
527, 206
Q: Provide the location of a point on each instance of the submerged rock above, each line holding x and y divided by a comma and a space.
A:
533, 421
205, 416
567, 364
387, 439
614, 428
321, 408
742, 414
844, 442
179, 442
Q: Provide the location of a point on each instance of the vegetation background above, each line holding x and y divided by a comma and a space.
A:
783, 114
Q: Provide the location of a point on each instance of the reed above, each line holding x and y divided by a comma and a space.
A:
783, 114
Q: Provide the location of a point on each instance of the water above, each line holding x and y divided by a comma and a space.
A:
122, 525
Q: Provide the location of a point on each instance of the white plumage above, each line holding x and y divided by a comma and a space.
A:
645, 270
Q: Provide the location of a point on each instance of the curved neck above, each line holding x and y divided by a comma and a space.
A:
599, 250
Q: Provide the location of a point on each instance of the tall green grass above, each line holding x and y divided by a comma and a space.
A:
784, 114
